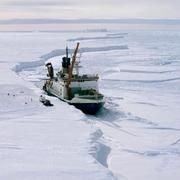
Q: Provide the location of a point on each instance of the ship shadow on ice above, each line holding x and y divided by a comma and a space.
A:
109, 115
111, 111
112, 116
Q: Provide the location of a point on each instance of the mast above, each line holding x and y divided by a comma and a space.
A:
72, 66
67, 52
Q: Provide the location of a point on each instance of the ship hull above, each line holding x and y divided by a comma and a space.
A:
88, 108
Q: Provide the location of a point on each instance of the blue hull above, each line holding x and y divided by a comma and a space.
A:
88, 108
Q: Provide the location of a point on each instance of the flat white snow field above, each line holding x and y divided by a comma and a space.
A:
136, 136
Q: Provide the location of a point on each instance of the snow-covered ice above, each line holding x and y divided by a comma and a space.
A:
135, 136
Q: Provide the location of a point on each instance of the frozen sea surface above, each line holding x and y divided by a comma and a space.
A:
135, 136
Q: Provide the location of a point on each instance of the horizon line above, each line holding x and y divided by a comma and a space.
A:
88, 20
